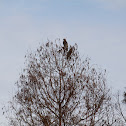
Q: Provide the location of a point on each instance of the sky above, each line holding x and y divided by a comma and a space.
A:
97, 26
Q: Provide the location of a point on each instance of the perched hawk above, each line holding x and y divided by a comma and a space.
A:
65, 45
69, 53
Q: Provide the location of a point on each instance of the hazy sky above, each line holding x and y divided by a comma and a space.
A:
97, 26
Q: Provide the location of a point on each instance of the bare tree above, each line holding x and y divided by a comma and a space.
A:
57, 89
120, 107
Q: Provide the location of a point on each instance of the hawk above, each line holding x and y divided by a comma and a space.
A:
65, 45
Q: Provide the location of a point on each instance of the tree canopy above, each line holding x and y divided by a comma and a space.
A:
57, 88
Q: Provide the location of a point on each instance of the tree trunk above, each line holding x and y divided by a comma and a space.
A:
59, 114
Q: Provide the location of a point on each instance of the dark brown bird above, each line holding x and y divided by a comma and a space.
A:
65, 45
69, 53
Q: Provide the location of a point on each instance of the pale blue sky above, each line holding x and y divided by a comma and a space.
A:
97, 26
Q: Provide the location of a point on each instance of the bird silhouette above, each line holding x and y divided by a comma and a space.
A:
69, 53
65, 45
